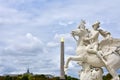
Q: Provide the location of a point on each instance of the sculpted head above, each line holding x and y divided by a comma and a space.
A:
96, 25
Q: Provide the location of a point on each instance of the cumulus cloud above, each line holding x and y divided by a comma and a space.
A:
66, 36
32, 44
52, 44
22, 54
66, 23
70, 50
11, 16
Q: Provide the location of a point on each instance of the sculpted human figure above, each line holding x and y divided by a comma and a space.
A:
93, 39
93, 47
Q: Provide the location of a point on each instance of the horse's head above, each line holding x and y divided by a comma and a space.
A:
79, 32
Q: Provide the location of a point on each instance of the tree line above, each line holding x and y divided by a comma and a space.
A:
43, 77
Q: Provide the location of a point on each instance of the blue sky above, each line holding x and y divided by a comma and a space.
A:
30, 31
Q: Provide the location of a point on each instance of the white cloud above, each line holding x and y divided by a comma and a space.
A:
30, 52
22, 53
12, 16
31, 44
66, 23
69, 48
66, 36
62, 24
52, 44
33, 39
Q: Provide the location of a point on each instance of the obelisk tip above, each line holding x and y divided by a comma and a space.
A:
62, 39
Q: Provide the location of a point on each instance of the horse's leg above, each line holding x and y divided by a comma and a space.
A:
73, 58
113, 73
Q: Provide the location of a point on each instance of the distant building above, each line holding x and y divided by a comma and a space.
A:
28, 72
13, 75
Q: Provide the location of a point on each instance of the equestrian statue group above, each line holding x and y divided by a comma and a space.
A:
93, 52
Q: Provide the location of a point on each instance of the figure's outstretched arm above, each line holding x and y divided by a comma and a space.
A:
105, 34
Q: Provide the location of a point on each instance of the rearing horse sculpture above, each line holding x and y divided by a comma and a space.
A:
109, 60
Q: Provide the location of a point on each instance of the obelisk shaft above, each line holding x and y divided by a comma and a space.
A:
62, 74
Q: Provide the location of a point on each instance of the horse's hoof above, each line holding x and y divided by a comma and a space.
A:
65, 70
65, 66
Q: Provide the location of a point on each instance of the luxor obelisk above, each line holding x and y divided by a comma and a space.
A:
62, 74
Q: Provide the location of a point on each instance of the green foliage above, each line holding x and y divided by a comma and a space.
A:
18, 78
26, 77
8, 77
40, 77
44, 77
70, 78
55, 78
107, 77
2, 78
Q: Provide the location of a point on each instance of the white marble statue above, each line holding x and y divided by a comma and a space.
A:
85, 73
82, 24
104, 53
96, 74
89, 73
